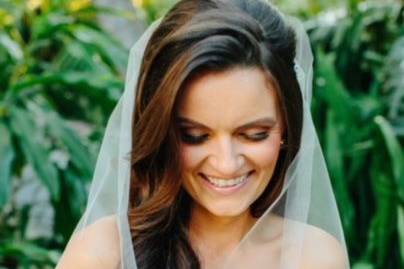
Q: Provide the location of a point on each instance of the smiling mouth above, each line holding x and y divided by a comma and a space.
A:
226, 183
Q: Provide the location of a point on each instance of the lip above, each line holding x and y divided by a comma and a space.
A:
227, 177
227, 190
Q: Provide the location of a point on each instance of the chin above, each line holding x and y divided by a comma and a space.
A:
226, 210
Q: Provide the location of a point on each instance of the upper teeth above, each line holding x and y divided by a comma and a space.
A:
226, 182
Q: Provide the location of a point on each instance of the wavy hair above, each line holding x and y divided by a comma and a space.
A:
198, 36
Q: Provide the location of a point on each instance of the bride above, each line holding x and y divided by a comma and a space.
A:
210, 159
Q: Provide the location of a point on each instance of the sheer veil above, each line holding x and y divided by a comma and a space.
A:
305, 209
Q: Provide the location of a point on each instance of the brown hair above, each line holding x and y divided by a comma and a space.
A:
199, 36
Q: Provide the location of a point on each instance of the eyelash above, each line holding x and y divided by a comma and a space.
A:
194, 140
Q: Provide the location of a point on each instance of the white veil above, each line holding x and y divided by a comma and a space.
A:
306, 202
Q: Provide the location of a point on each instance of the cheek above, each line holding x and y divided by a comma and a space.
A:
265, 154
191, 156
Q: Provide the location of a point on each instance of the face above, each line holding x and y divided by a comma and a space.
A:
231, 129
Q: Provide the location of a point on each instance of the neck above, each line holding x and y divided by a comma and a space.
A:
208, 231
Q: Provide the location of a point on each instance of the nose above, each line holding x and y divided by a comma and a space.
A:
226, 160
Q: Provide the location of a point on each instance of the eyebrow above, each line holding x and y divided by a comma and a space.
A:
266, 121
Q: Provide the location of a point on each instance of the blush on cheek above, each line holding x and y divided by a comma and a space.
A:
191, 156
266, 153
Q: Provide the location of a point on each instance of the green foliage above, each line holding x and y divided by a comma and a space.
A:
59, 69
358, 108
154, 9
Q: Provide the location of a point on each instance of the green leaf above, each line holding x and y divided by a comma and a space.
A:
35, 152
6, 159
79, 155
47, 25
61, 132
12, 47
76, 56
394, 82
400, 225
28, 252
334, 156
386, 202
89, 84
395, 152
77, 193
94, 11
110, 50
332, 90
363, 265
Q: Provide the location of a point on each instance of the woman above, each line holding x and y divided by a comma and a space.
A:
226, 170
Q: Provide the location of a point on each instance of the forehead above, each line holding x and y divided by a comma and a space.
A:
230, 98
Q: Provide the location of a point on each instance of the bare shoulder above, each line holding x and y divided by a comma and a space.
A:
96, 246
322, 250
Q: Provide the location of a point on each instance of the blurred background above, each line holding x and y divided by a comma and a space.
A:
62, 68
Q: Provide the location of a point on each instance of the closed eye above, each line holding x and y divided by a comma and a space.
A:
199, 139
257, 136
193, 139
